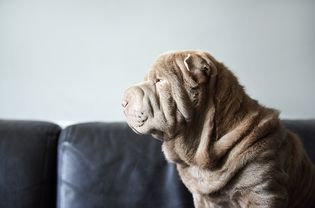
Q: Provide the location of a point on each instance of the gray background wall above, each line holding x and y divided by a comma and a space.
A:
70, 60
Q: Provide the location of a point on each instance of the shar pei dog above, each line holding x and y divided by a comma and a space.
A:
229, 150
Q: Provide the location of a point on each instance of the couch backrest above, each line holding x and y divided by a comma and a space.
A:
28, 164
99, 165
107, 165
306, 130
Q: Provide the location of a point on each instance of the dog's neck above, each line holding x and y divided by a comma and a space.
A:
228, 116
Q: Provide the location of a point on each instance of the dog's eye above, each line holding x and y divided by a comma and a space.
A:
157, 81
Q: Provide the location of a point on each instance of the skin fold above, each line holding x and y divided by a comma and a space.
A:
229, 150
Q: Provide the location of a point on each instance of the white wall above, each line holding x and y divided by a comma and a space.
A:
70, 60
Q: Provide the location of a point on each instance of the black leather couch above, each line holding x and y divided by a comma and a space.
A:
94, 165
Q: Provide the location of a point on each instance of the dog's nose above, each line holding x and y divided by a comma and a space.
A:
124, 103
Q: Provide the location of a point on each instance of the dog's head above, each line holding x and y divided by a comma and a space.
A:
175, 93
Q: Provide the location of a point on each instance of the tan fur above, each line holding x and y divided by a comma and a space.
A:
230, 151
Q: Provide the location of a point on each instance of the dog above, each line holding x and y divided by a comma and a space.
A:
229, 150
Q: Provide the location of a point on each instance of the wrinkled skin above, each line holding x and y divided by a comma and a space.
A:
229, 150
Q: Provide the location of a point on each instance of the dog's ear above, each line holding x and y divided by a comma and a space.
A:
200, 67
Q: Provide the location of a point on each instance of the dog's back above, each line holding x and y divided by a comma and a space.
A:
301, 170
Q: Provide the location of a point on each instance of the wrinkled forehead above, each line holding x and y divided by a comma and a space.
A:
165, 65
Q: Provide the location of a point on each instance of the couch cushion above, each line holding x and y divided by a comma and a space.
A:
306, 130
28, 164
107, 165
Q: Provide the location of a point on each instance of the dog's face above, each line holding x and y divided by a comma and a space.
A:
172, 94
